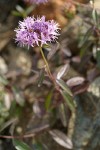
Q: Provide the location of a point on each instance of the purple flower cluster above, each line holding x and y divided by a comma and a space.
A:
36, 32
36, 1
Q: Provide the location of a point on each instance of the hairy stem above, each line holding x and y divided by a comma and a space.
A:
48, 69
46, 63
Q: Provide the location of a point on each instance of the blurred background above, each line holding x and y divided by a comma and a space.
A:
31, 109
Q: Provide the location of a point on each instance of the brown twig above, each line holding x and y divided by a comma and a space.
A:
17, 137
25, 136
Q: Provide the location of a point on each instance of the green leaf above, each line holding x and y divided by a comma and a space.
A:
69, 100
3, 80
64, 86
30, 9
41, 77
19, 145
19, 9
61, 139
38, 146
48, 100
16, 13
8, 123
62, 71
98, 58
62, 114
85, 47
85, 38
95, 16
46, 46
18, 96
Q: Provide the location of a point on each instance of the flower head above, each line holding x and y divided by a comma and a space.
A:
36, 32
36, 1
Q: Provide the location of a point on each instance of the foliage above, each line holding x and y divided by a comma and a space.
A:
42, 100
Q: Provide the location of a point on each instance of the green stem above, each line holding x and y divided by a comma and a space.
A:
46, 63
48, 69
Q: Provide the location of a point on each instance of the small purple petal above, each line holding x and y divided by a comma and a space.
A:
36, 32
